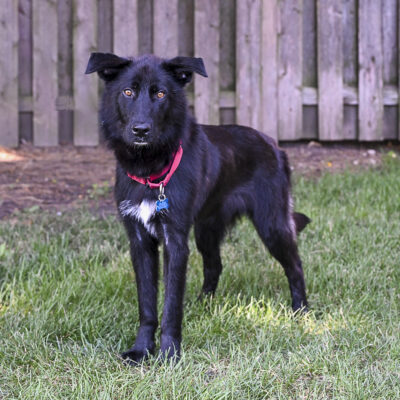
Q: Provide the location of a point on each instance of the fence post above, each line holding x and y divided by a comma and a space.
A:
9, 73
330, 70
165, 28
45, 90
269, 63
206, 38
86, 131
370, 81
126, 28
248, 63
290, 108
350, 67
397, 72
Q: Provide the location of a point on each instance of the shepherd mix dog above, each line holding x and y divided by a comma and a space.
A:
173, 173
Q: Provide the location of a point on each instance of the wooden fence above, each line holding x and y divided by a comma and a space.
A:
296, 69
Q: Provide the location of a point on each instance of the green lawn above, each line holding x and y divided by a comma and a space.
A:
68, 306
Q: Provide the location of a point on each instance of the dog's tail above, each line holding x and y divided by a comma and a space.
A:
301, 221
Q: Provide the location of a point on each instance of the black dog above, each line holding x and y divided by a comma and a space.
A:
172, 173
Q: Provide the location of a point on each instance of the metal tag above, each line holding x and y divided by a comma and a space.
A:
162, 203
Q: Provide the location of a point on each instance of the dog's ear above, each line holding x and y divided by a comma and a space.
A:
107, 65
182, 68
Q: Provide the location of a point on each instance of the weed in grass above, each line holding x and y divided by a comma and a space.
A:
68, 306
99, 190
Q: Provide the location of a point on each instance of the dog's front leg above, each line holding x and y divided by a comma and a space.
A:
144, 253
176, 253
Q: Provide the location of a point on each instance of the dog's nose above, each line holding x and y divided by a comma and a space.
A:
141, 130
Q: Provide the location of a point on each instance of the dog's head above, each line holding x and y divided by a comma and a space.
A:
143, 104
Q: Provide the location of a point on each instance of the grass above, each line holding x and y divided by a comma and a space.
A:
68, 306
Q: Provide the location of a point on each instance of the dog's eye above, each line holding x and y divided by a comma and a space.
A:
160, 94
128, 92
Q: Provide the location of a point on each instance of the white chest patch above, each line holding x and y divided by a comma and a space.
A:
142, 213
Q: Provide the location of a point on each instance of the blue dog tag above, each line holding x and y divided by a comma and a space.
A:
162, 205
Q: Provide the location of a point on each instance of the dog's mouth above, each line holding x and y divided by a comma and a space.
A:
136, 142
140, 144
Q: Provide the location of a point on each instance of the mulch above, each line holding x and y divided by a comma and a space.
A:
62, 178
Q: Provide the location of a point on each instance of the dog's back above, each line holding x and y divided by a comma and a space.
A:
248, 162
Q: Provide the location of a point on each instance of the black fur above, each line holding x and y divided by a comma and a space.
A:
226, 171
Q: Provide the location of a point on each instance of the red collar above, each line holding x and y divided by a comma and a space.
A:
169, 170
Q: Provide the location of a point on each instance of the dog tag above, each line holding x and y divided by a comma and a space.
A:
162, 203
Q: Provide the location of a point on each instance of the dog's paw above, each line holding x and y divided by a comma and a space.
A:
300, 308
170, 349
168, 356
135, 356
206, 294
203, 297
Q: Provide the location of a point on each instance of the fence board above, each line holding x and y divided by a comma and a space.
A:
310, 76
45, 56
248, 63
126, 32
269, 62
186, 27
9, 74
390, 122
350, 60
227, 44
145, 25
370, 85
25, 68
290, 76
165, 28
206, 90
64, 101
85, 86
389, 36
398, 74
330, 67
350, 96
310, 122
105, 33
350, 66
105, 24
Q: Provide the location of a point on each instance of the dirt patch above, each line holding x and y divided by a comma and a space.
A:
66, 177
313, 158
55, 178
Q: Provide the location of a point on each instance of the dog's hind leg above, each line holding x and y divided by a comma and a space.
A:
208, 236
281, 242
